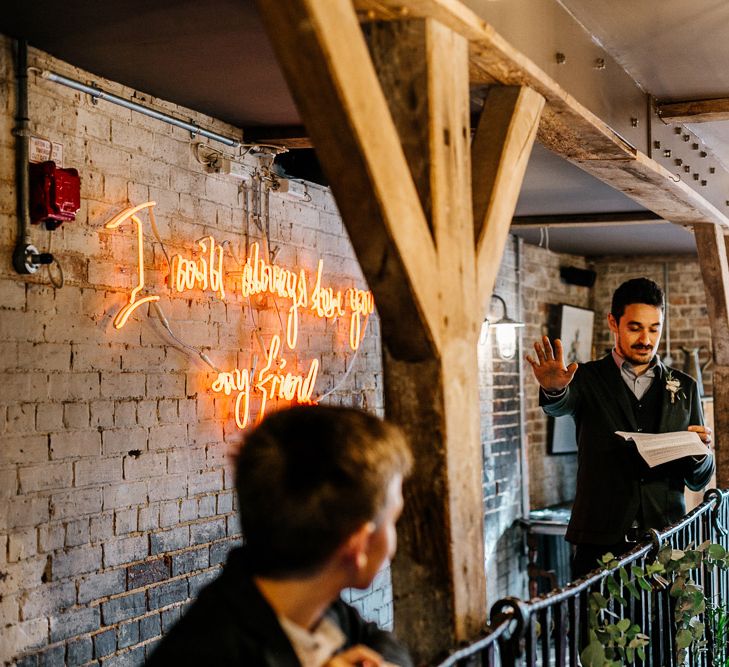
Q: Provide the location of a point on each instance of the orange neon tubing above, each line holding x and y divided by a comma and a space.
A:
123, 315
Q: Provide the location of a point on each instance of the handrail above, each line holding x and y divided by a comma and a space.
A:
549, 629
494, 635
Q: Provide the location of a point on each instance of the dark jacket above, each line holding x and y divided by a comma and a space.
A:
231, 623
614, 485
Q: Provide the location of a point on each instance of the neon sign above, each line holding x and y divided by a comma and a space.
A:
260, 277
205, 271
270, 383
130, 214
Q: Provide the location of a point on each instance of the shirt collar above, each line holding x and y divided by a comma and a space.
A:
623, 364
316, 647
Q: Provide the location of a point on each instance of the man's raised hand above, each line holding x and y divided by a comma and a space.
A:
548, 367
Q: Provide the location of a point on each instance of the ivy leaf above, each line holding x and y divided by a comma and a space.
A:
716, 551
641, 653
683, 639
633, 590
677, 554
644, 585
678, 586
612, 586
697, 629
623, 624
593, 654
599, 600
664, 555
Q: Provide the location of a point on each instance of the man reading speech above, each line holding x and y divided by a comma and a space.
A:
618, 496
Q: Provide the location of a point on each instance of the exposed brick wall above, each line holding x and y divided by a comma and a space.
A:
551, 478
501, 441
115, 475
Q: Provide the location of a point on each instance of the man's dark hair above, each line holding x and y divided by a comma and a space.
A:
637, 290
309, 477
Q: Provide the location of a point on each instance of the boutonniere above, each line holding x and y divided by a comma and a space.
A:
673, 386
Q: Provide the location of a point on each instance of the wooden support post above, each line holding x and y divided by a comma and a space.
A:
712, 249
423, 70
397, 154
501, 149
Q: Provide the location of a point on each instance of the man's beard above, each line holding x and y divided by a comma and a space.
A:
629, 354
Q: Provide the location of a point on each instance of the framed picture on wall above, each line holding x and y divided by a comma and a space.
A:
574, 328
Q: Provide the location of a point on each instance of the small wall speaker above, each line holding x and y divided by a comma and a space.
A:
573, 275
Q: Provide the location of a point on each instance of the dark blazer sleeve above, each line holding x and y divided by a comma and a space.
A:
564, 404
359, 631
698, 471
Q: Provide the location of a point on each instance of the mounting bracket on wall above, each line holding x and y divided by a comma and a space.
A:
27, 259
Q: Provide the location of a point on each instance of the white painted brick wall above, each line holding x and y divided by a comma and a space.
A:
115, 457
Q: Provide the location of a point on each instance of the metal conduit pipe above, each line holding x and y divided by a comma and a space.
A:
21, 132
99, 94
523, 436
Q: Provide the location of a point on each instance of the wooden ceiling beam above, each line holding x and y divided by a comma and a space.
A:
567, 127
358, 146
500, 153
288, 136
587, 220
694, 111
713, 254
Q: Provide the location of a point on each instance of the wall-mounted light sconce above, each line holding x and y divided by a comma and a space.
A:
504, 328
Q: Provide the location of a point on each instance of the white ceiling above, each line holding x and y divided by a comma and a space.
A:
674, 49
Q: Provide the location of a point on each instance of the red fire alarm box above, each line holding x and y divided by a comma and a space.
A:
55, 194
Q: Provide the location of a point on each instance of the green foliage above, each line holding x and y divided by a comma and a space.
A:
614, 641
717, 618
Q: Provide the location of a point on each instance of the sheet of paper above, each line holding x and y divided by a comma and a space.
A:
657, 448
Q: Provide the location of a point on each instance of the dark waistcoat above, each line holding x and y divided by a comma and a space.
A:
647, 412
647, 409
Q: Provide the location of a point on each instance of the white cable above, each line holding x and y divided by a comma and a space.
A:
165, 323
341, 382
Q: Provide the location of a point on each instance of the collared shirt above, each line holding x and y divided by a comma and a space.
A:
638, 384
313, 649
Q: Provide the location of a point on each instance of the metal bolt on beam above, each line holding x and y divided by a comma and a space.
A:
560, 58
599, 63
667, 152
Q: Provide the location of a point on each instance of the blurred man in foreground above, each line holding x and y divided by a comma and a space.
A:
319, 492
